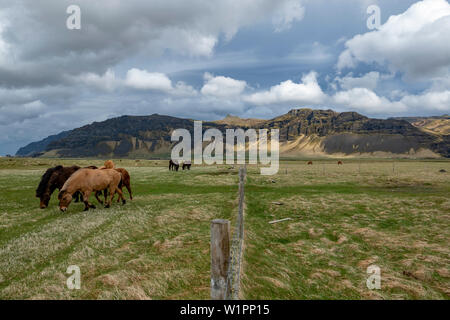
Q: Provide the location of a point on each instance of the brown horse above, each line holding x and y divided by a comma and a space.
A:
52, 179
310, 163
87, 181
340, 163
126, 180
173, 165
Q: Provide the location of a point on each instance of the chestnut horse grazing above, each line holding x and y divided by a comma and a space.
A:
126, 181
310, 163
87, 181
340, 163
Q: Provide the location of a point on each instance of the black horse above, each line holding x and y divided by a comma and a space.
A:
173, 165
187, 165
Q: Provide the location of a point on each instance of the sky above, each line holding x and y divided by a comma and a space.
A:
204, 59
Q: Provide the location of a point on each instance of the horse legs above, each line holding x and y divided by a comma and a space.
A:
87, 205
129, 191
118, 198
127, 185
97, 193
77, 196
111, 196
119, 191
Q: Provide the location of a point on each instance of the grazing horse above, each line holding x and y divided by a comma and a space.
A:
187, 165
310, 163
87, 181
173, 165
125, 181
340, 163
54, 178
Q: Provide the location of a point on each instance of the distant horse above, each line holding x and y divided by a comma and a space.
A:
310, 163
87, 181
340, 163
173, 165
187, 165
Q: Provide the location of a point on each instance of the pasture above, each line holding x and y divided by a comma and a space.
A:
343, 219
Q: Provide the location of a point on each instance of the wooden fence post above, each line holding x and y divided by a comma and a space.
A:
220, 256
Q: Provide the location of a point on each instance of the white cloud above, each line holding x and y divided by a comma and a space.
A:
288, 12
411, 42
106, 82
356, 94
367, 101
144, 80
432, 100
221, 86
368, 81
306, 92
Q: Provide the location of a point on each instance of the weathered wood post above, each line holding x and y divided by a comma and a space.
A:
220, 256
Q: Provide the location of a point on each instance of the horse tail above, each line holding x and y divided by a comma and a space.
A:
45, 179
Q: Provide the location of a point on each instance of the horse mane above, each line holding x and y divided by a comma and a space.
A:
45, 179
60, 193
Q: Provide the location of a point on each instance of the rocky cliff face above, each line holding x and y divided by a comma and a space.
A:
302, 132
438, 125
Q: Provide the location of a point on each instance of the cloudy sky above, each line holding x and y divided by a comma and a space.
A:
205, 59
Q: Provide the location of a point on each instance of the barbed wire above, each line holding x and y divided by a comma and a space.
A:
234, 263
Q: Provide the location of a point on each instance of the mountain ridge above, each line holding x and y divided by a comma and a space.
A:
303, 131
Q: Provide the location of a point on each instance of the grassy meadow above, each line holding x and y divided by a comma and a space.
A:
343, 219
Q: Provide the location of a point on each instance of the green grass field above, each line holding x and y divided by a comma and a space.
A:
343, 219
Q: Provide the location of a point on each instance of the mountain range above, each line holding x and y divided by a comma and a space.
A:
303, 133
